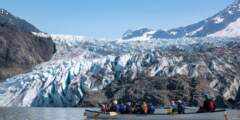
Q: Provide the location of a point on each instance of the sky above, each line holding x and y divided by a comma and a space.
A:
111, 18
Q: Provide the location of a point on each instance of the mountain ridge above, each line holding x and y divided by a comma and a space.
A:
8, 18
219, 25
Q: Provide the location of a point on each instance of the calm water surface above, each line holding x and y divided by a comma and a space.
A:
63, 114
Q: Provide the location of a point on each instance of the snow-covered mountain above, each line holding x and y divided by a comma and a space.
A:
9, 19
226, 23
84, 65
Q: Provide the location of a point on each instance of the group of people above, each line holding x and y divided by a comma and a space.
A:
148, 108
129, 107
176, 107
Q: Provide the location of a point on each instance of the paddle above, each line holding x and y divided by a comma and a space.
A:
113, 113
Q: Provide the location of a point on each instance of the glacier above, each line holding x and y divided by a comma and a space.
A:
83, 64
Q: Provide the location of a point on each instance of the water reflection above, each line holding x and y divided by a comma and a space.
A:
41, 114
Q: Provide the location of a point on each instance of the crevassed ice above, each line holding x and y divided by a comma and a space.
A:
84, 64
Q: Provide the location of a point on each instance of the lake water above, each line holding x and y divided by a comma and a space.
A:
63, 114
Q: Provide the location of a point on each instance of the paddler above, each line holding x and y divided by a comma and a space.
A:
174, 106
151, 108
115, 107
180, 107
145, 107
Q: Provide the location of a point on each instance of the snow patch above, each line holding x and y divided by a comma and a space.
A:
41, 34
145, 37
173, 32
232, 30
194, 32
218, 19
230, 12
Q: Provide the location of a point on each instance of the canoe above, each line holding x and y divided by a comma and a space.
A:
217, 115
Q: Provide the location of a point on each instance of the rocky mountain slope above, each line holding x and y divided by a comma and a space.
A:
86, 71
19, 48
226, 23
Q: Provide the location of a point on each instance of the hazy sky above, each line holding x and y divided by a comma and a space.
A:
111, 18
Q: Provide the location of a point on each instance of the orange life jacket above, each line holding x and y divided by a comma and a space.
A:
145, 108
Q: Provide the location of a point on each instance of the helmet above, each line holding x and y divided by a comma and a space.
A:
115, 102
172, 102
